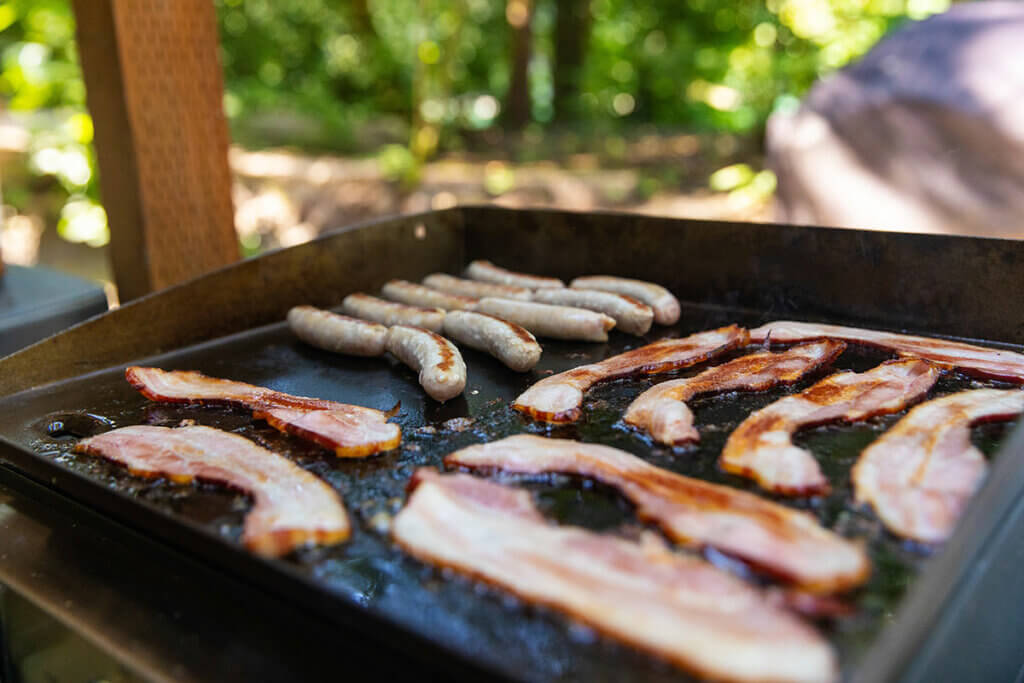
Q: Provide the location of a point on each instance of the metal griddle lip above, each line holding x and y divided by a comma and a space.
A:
205, 546
926, 609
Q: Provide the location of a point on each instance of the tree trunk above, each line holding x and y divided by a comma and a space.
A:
572, 33
517, 102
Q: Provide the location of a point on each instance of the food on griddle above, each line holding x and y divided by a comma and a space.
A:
350, 431
666, 306
474, 288
485, 271
762, 448
978, 361
291, 507
662, 411
920, 474
558, 398
786, 543
555, 322
631, 316
391, 313
677, 607
337, 333
511, 344
442, 372
413, 294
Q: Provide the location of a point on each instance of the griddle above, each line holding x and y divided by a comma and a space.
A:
227, 324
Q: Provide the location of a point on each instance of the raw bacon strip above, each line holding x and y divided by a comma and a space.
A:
786, 543
662, 411
291, 506
761, 447
558, 398
350, 431
978, 361
920, 474
677, 607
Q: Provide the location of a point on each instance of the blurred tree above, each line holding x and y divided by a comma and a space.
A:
519, 14
414, 77
572, 34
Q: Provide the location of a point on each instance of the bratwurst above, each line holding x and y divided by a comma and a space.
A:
545, 320
474, 288
506, 341
488, 272
337, 333
631, 316
666, 306
390, 313
413, 294
442, 372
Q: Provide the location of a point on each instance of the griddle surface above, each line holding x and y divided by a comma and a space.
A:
483, 624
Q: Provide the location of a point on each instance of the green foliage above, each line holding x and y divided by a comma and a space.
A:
39, 73
406, 78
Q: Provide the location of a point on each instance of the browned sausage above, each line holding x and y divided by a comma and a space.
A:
391, 313
506, 341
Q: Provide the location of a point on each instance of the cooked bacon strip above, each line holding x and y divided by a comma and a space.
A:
662, 411
786, 543
761, 447
350, 431
558, 398
978, 361
920, 474
291, 506
677, 607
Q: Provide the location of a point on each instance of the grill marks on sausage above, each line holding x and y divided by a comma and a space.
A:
662, 411
442, 372
919, 475
350, 431
784, 543
291, 506
676, 607
974, 360
557, 399
761, 447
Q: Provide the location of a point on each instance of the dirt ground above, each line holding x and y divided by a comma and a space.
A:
284, 198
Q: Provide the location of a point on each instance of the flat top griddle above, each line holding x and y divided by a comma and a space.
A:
369, 575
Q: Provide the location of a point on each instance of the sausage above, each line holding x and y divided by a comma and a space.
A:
488, 272
442, 370
666, 306
631, 316
474, 288
337, 333
545, 320
391, 313
413, 294
506, 341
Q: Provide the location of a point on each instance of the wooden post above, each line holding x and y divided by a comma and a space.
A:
155, 91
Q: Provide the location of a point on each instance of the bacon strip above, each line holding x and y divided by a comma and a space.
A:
761, 447
978, 361
662, 411
676, 607
920, 474
350, 431
786, 543
558, 398
291, 506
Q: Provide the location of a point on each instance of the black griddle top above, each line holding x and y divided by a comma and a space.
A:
368, 573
